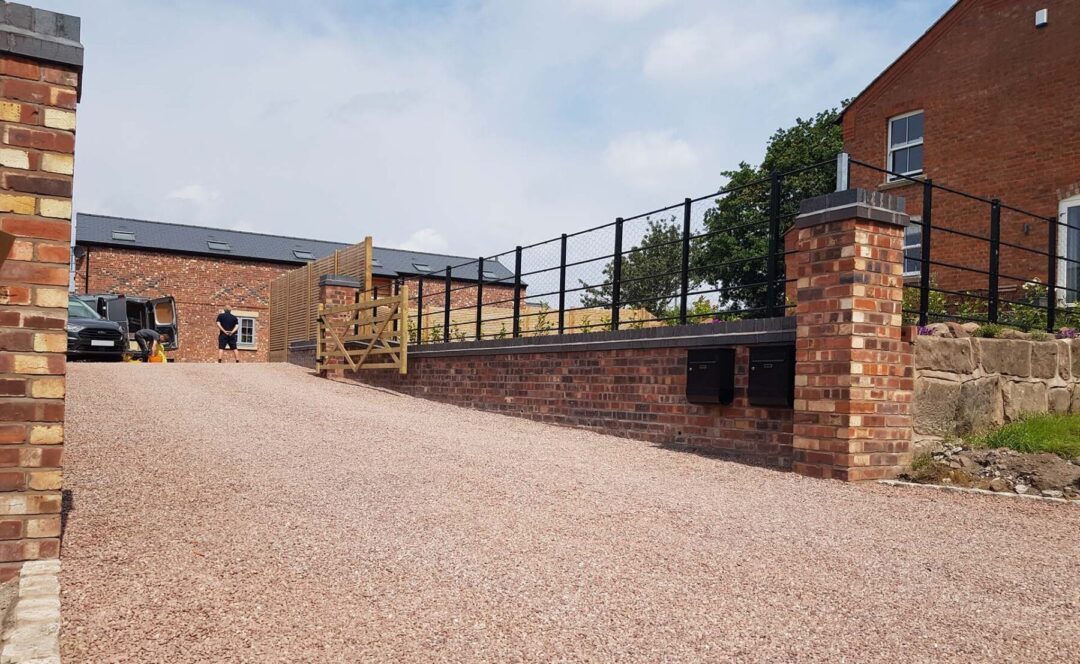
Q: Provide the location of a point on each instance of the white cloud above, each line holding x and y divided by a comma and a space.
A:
650, 158
193, 193
619, 9
468, 126
425, 239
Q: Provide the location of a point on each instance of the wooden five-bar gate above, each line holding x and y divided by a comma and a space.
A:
370, 334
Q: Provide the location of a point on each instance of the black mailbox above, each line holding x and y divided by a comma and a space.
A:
710, 375
772, 376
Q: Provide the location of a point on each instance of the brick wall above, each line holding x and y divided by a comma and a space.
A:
202, 285
37, 143
998, 97
637, 393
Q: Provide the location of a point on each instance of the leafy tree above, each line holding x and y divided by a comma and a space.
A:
733, 256
650, 272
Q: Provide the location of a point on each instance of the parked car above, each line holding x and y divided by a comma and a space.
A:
90, 336
137, 313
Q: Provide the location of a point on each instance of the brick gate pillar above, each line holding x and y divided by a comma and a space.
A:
40, 68
853, 372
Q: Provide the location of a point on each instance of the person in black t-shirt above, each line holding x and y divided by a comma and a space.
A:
228, 329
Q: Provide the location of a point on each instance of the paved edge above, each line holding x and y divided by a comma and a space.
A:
983, 492
33, 632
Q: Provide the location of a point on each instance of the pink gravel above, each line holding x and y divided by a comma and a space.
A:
255, 513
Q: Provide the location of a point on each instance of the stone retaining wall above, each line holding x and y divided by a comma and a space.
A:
969, 384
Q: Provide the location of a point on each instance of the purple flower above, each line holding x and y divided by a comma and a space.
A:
1066, 333
924, 330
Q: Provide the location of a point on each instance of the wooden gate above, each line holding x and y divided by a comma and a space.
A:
371, 334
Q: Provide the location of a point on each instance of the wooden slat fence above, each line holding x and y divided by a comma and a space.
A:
294, 296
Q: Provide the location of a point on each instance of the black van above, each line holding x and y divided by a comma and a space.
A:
137, 313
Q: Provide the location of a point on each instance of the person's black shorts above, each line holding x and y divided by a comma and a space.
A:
226, 341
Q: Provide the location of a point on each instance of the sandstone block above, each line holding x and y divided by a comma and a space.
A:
1024, 399
1005, 356
935, 404
1044, 362
1064, 354
940, 354
1060, 399
981, 405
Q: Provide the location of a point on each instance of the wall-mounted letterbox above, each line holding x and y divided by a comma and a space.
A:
710, 375
772, 376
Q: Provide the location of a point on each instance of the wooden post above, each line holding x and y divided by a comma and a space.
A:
403, 329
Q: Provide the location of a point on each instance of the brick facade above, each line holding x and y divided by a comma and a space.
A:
998, 96
854, 377
201, 285
37, 143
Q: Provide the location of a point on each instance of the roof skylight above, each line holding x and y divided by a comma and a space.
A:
303, 255
126, 236
215, 245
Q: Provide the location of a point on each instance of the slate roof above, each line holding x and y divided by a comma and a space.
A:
98, 230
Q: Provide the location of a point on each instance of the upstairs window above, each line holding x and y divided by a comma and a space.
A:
906, 144
126, 236
913, 248
303, 255
215, 245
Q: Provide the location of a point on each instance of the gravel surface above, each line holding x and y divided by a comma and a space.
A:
255, 513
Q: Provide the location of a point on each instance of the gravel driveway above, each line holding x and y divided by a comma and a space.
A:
255, 513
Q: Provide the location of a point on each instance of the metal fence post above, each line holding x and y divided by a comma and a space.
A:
924, 266
517, 291
480, 298
774, 241
420, 310
995, 256
684, 284
562, 284
843, 170
446, 308
1051, 274
616, 275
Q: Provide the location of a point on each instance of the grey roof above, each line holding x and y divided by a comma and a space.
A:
95, 229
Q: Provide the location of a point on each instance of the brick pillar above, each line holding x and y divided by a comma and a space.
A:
853, 375
334, 291
40, 69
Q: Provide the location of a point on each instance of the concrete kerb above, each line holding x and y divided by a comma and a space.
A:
32, 635
964, 489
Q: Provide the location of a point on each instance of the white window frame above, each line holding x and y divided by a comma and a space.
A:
254, 332
1064, 296
890, 148
915, 222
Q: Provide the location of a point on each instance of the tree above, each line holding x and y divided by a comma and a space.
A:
733, 257
650, 272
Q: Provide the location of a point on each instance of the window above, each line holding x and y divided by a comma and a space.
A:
214, 245
422, 267
1069, 250
303, 255
375, 262
126, 236
906, 144
913, 247
246, 337
488, 274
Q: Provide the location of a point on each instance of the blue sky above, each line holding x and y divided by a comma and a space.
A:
465, 126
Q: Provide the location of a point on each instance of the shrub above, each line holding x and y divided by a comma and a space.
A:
988, 331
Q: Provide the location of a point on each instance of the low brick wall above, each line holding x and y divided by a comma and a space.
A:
631, 383
969, 384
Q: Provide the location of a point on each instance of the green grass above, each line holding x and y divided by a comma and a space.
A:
1056, 434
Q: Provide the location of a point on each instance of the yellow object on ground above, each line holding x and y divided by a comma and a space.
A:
158, 357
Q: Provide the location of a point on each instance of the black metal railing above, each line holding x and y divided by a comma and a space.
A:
978, 259
718, 256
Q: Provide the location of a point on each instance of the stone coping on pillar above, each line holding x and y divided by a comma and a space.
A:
852, 204
40, 34
340, 280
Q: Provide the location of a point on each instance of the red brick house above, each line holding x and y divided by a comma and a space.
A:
984, 102
205, 269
